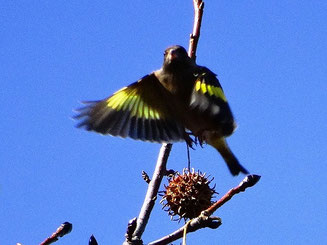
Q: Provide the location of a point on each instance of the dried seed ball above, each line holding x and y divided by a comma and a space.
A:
187, 194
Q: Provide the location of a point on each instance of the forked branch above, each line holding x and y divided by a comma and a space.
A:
160, 169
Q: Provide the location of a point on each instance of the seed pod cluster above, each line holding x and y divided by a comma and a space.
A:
187, 194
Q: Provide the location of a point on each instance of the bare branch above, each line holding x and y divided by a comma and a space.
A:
62, 230
146, 177
194, 38
248, 181
152, 191
160, 169
194, 225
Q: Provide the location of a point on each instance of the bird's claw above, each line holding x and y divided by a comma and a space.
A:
200, 140
190, 141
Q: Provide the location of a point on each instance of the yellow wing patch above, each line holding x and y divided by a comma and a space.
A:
210, 89
136, 111
127, 99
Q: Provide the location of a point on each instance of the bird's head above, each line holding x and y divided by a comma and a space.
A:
176, 57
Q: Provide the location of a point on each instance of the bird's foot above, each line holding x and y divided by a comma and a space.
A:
190, 141
200, 139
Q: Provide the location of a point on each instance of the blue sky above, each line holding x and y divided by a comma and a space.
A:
271, 60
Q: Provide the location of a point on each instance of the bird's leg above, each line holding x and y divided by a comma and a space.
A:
201, 138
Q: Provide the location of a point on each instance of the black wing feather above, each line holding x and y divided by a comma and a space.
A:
139, 111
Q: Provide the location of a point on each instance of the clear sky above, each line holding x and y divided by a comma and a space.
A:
270, 57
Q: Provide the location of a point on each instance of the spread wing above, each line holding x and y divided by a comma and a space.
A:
208, 98
139, 111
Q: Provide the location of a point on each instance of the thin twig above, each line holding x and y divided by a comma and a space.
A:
194, 225
248, 181
204, 219
152, 191
62, 230
146, 177
194, 38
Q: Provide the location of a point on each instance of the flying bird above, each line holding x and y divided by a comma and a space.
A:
167, 105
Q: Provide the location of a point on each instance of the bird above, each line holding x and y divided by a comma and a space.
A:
166, 106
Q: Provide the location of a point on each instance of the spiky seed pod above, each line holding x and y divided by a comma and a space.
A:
187, 194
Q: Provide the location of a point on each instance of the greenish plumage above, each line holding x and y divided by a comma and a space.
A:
160, 106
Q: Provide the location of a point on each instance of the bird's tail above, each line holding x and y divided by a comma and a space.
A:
220, 144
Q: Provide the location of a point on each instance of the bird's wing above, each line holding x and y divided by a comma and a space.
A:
140, 111
208, 98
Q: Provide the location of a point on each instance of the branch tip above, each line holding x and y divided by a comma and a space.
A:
146, 177
130, 229
92, 240
249, 181
61, 231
